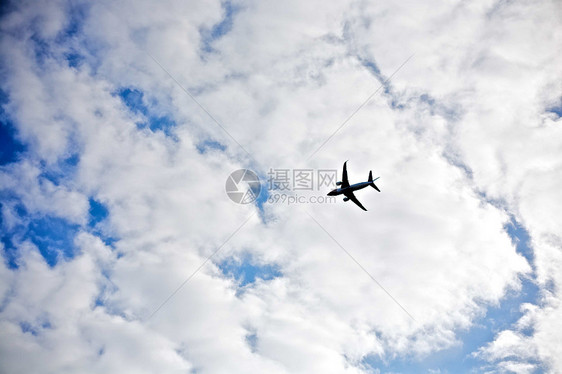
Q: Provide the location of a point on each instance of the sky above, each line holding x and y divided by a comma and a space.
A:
121, 122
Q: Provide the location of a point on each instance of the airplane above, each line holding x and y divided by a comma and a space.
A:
347, 190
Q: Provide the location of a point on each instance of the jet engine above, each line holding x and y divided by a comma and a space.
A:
345, 198
338, 183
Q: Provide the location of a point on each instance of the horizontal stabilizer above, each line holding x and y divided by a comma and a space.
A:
373, 181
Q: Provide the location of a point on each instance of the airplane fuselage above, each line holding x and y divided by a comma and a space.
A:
353, 187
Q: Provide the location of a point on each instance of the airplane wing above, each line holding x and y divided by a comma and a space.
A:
344, 180
352, 197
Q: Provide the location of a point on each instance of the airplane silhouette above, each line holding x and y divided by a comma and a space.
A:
347, 190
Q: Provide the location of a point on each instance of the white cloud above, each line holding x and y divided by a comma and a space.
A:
281, 81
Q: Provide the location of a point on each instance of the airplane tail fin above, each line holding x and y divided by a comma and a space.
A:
372, 181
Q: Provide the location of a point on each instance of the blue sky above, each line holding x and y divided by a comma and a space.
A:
136, 102
246, 270
121, 247
10, 148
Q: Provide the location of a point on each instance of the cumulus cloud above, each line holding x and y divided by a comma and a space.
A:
464, 137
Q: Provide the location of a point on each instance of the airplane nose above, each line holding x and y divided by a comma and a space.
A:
332, 193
